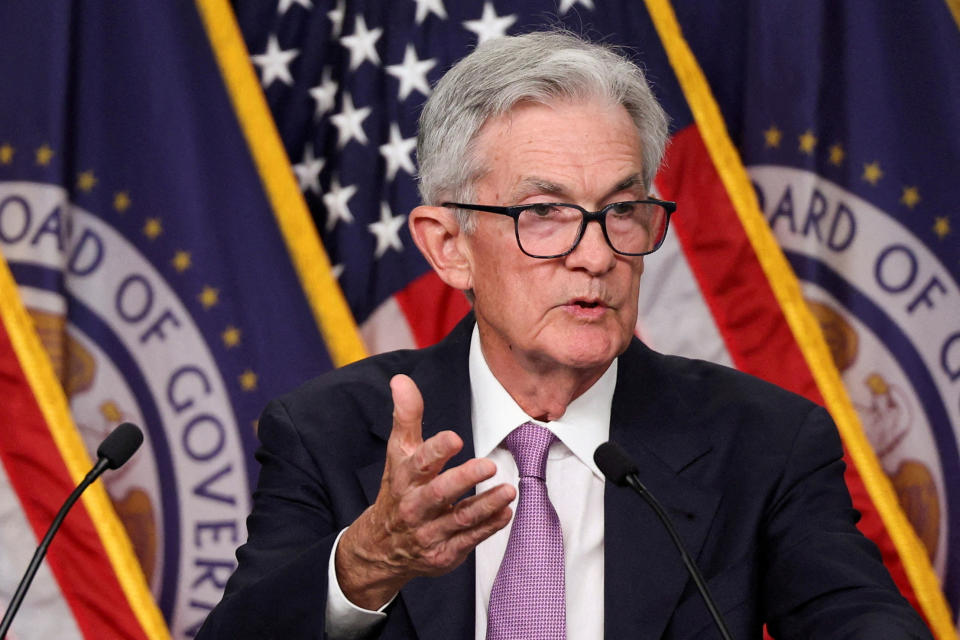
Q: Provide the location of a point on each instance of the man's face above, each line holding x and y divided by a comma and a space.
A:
578, 311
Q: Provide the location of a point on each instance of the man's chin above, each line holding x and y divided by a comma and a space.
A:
589, 349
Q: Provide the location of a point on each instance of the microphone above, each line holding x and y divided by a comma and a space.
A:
619, 469
112, 453
117, 447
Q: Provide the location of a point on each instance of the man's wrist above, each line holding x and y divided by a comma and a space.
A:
363, 580
345, 620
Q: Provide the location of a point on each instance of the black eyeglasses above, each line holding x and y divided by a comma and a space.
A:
552, 230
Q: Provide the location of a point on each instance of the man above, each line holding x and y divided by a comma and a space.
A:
358, 527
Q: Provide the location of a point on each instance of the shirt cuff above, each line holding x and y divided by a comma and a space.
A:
345, 620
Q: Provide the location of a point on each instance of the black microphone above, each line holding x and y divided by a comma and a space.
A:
112, 453
619, 469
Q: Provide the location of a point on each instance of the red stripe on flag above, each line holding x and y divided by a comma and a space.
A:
40, 478
722, 259
431, 307
743, 305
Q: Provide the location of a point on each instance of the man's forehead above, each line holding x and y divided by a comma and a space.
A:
549, 148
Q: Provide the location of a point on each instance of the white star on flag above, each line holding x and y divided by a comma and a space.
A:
335, 201
325, 93
336, 18
362, 43
387, 231
308, 171
412, 73
337, 271
273, 62
426, 7
349, 122
285, 5
490, 25
397, 152
566, 5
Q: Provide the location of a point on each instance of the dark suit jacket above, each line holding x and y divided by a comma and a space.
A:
751, 475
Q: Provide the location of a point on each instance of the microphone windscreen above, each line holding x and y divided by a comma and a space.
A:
120, 445
614, 462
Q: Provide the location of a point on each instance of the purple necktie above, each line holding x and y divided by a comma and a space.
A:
528, 600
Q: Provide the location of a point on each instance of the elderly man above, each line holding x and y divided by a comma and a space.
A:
537, 155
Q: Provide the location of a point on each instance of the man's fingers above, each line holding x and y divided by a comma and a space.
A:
433, 499
477, 510
465, 540
449, 539
447, 487
407, 410
429, 457
468, 539
426, 461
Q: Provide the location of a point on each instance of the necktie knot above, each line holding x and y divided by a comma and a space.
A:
529, 444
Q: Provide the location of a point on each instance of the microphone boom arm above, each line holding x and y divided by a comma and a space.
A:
634, 482
113, 452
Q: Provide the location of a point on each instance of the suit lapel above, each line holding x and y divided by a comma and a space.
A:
440, 607
644, 575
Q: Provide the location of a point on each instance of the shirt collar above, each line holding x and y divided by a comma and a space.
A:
584, 426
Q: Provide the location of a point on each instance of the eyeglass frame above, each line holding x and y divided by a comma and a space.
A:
587, 217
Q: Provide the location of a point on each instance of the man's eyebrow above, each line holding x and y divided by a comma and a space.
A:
542, 185
628, 183
539, 185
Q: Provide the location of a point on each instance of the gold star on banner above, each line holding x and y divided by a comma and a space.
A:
808, 142
836, 155
110, 411
86, 181
941, 226
248, 380
910, 197
872, 172
772, 136
44, 154
6, 153
181, 261
152, 228
231, 336
209, 297
121, 201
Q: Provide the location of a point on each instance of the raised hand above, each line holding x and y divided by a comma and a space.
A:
416, 527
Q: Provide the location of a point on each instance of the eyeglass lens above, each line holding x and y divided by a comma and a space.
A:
632, 227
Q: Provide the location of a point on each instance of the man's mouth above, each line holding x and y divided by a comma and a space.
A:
587, 303
587, 307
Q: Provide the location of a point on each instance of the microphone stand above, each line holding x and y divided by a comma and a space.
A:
113, 453
694, 571
38, 555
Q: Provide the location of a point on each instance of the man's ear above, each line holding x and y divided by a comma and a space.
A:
440, 240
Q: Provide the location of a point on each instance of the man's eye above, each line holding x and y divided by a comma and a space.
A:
623, 208
542, 210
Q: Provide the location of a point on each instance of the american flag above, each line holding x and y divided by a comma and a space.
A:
346, 82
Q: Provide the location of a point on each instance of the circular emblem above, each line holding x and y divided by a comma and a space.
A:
888, 309
125, 347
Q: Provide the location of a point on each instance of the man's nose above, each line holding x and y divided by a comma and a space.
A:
593, 253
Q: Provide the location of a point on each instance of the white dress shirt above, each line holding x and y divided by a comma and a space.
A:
574, 484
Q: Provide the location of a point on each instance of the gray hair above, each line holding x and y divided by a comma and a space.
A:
541, 67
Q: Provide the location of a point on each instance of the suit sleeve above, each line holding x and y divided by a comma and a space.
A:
280, 585
822, 577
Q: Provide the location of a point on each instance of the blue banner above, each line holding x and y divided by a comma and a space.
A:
136, 225
846, 116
